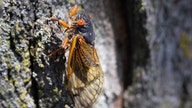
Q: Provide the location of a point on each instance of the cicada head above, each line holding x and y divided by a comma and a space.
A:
85, 27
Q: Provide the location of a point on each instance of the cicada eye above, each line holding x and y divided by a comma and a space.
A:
81, 22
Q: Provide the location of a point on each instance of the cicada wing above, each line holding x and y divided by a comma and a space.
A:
86, 75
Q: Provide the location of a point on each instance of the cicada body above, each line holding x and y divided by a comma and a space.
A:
84, 72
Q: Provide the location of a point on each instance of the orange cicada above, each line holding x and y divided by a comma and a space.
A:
84, 72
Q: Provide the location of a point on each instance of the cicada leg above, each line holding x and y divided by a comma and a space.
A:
64, 46
72, 12
65, 43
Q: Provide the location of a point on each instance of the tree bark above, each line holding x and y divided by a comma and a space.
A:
144, 49
165, 81
27, 77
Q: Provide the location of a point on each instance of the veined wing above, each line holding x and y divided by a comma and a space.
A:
85, 76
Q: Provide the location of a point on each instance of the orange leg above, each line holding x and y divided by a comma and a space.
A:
54, 52
73, 11
64, 44
61, 22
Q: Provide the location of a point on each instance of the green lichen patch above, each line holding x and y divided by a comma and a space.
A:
184, 45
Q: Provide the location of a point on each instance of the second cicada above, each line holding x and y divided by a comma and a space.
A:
84, 72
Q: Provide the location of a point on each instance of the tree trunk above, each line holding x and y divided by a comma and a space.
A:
27, 77
144, 49
165, 81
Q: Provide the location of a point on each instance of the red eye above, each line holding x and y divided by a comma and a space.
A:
81, 22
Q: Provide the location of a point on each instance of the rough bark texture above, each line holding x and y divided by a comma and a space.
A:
144, 48
27, 77
165, 82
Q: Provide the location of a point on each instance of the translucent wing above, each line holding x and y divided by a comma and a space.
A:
85, 76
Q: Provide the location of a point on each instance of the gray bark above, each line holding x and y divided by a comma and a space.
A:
165, 82
27, 77
150, 61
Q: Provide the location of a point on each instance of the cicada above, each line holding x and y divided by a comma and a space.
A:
84, 72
